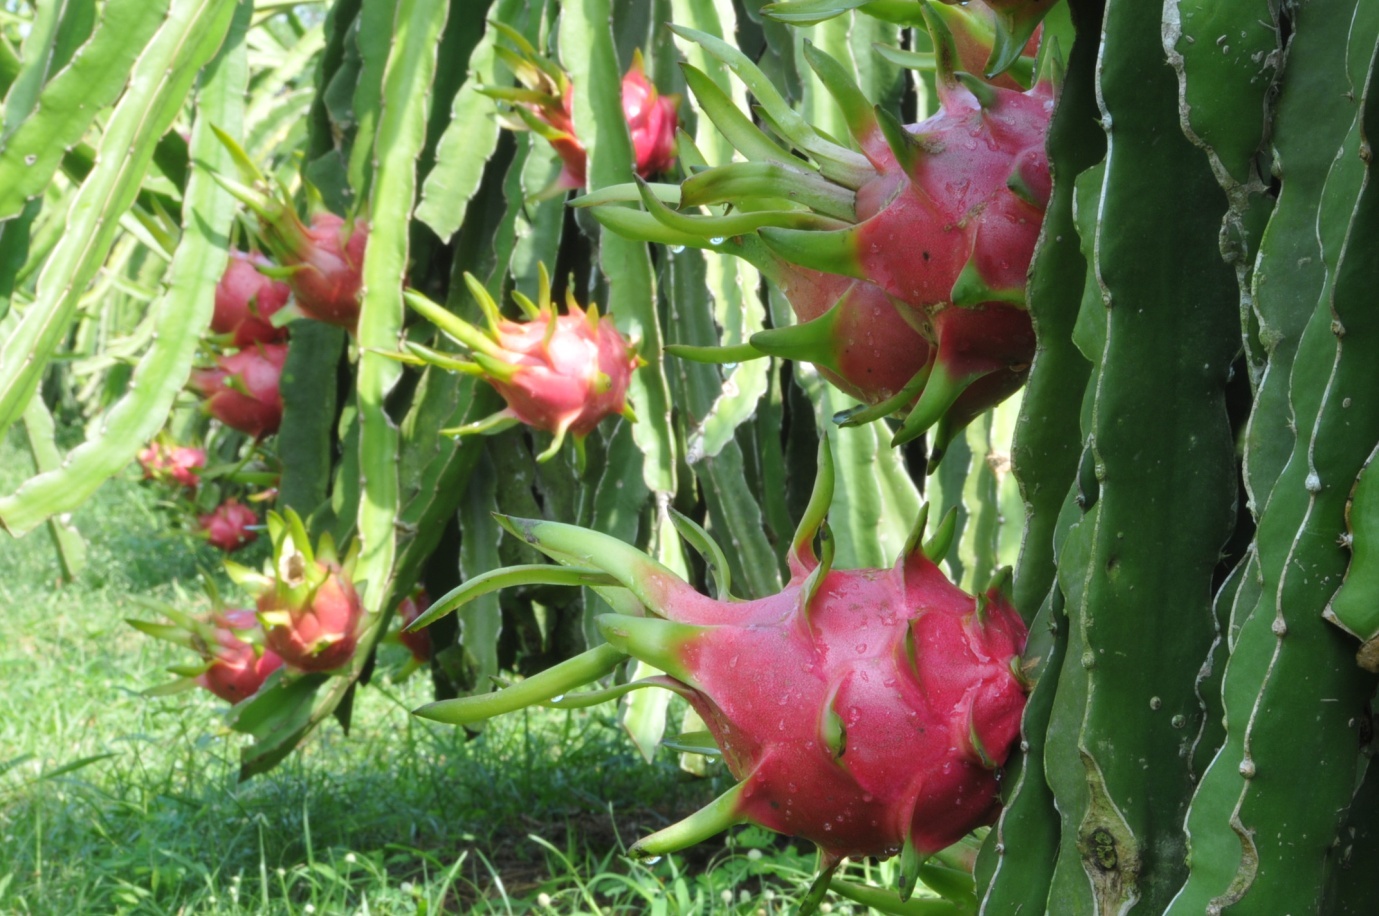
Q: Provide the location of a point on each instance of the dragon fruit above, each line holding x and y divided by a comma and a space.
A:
180, 464
242, 390
545, 105
228, 525
558, 373
867, 710
230, 642
322, 262
308, 606
245, 300
238, 667
941, 216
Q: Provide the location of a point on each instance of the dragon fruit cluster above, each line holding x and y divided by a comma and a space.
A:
904, 260
867, 710
545, 105
558, 373
176, 464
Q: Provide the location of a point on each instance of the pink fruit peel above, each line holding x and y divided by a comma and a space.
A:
229, 525
179, 464
246, 300
242, 391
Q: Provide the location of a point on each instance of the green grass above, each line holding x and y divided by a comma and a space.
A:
111, 802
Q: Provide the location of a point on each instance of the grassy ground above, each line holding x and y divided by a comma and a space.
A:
111, 802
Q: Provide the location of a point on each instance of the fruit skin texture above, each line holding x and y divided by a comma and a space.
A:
311, 617
926, 693
566, 380
227, 526
245, 300
178, 463
329, 258
237, 667
256, 408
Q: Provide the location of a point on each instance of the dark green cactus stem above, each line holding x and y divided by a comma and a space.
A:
1353, 607
715, 817
561, 679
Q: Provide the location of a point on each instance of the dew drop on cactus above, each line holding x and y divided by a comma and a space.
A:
309, 608
867, 710
558, 373
228, 526
242, 390
246, 300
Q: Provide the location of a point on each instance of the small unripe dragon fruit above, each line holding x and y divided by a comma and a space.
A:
228, 525
242, 391
941, 217
322, 263
246, 300
230, 642
867, 710
309, 607
545, 105
180, 464
558, 373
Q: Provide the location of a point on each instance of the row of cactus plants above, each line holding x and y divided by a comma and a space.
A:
1157, 214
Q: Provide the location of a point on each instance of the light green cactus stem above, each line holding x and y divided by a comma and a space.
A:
555, 681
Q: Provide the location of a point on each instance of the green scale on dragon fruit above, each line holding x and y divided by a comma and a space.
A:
938, 220
866, 710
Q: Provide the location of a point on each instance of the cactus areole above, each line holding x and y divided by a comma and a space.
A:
867, 710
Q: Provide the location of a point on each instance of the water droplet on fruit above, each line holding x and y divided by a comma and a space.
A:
861, 648
793, 788
733, 663
828, 826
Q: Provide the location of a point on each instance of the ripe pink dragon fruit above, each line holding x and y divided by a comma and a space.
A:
867, 710
238, 666
245, 300
179, 464
228, 525
558, 373
545, 105
941, 217
233, 664
322, 263
242, 391
309, 607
